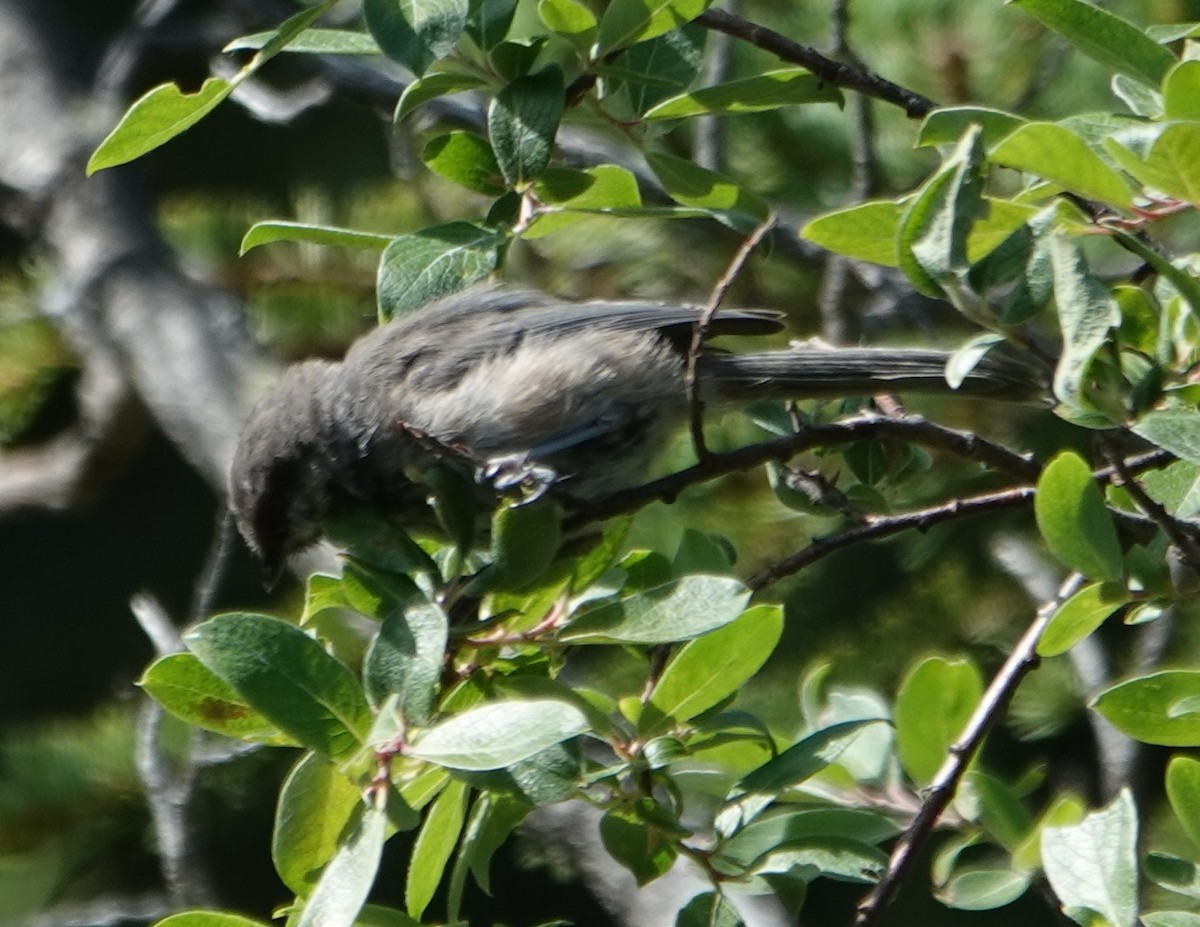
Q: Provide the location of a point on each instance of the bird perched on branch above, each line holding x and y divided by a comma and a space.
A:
583, 394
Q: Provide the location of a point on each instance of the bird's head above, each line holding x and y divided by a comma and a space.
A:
279, 481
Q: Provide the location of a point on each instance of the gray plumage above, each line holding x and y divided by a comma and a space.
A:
590, 390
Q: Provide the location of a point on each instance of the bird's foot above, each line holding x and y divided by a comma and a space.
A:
517, 471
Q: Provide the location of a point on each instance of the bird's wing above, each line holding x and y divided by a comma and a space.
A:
535, 313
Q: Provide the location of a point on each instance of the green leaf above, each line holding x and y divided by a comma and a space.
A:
934, 228
343, 887
1080, 615
374, 539
262, 233
207, 919
788, 825
626, 22
1087, 311
288, 677
499, 734
493, 819
567, 196
983, 889
1181, 91
491, 21
716, 665
406, 657
1072, 518
675, 611
316, 805
1093, 865
432, 86
416, 33
435, 843
766, 91
422, 266
946, 126
1170, 166
313, 41
1183, 791
1171, 919
570, 19
156, 118
837, 857
645, 850
1057, 154
522, 122
688, 183
867, 232
525, 540
708, 909
466, 159
1106, 38
661, 67
934, 702
799, 762
189, 690
1173, 873
1160, 708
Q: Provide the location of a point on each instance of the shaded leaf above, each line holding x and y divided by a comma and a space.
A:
288, 677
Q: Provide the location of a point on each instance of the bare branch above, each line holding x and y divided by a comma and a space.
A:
945, 782
700, 330
838, 74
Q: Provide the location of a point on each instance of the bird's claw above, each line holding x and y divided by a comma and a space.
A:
514, 471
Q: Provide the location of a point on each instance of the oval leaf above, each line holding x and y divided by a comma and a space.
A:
156, 118
315, 807
418, 268
435, 842
770, 90
522, 122
1093, 864
626, 22
716, 665
1161, 708
466, 159
262, 233
1099, 34
867, 232
499, 734
288, 677
416, 33
343, 887
189, 690
1072, 518
1080, 615
1183, 791
934, 702
675, 611
1058, 155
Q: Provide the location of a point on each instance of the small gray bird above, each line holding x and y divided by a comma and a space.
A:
587, 393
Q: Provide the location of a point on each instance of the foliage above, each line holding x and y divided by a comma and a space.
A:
453, 717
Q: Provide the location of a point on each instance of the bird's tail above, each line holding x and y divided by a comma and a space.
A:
812, 372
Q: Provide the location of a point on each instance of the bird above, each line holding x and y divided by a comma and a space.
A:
582, 395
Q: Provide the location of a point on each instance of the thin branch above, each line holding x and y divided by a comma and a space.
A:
840, 75
1189, 550
708, 149
888, 525
945, 783
700, 330
910, 428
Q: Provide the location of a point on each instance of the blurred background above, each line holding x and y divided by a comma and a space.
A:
133, 338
